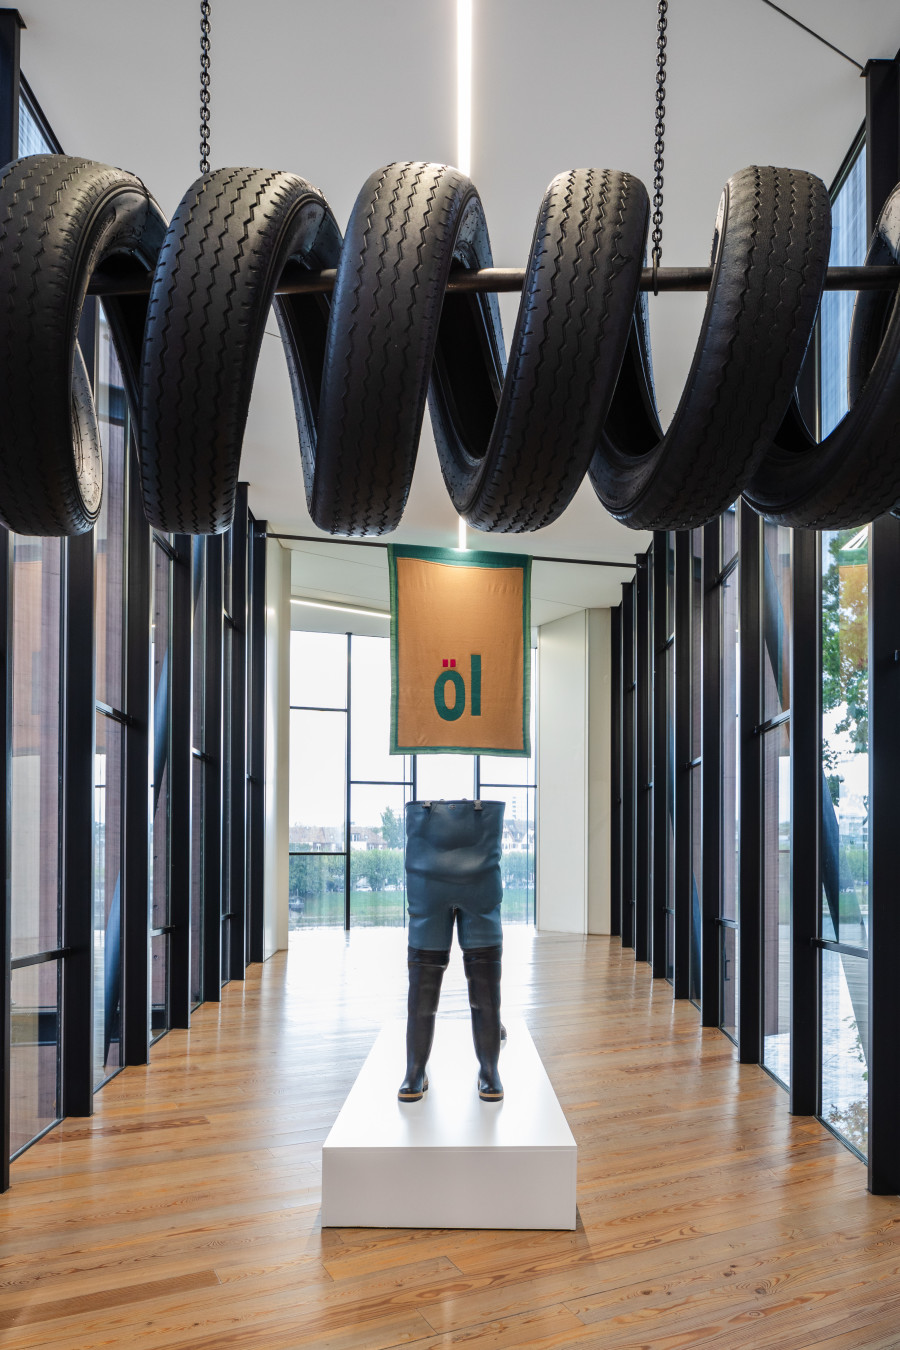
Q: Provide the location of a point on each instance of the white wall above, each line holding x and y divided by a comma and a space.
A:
573, 773
562, 860
599, 782
278, 669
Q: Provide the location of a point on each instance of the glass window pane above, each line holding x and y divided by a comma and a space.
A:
160, 687
729, 535
377, 844
34, 807
729, 976
670, 583
730, 747
199, 644
34, 1052
316, 891
109, 532
776, 645
849, 239
670, 810
318, 771
776, 858
159, 985
108, 857
370, 704
318, 670
449, 776
845, 736
845, 1046
517, 862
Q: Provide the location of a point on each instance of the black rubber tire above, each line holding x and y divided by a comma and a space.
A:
61, 220
231, 238
770, 254
410, 224
853, 476
518, 469
513, 451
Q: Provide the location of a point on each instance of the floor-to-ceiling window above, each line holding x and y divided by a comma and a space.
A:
729, 894
348, 793
111, 717
844, 859
36, 931
775, 586
844, 844
161, 560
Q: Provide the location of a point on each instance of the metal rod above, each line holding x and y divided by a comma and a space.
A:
377, 543
297, 281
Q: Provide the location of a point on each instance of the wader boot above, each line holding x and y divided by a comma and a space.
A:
426, 971
482, 965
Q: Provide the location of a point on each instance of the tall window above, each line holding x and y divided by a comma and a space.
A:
670, 757
348, 793
729, 895
776, 797
161, 561
35, 839
844, 833
109, 754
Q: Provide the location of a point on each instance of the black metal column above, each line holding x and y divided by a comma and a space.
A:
256, 766
78, 826
750, 788
237, 872
10, 25
659, 774
212, 767
180, 795
806, 779
682, 815
628, 763
136, 908
615, 774
884, 855
643, 780
882, 172
711, 778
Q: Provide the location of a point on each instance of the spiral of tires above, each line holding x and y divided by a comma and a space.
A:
61, 220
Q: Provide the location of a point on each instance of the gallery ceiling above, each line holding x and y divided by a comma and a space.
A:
332, 91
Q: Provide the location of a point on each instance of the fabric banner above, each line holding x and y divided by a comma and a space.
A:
460, 652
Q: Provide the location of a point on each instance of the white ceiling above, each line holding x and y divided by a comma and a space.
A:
332, 91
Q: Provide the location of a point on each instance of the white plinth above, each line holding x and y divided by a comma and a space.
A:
450, 1160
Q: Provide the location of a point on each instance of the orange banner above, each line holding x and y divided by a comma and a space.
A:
460, 651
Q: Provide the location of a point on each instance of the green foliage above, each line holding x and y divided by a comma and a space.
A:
517, 869
845, 665
380, 868
391, 828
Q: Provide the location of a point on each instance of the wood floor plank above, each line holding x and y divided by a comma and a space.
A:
185, 1215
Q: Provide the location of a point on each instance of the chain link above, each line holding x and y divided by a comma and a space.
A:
659, 148
204, 85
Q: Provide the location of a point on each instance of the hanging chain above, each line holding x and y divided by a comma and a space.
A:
204, 85
660, 137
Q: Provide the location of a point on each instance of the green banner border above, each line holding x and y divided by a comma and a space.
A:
463, 558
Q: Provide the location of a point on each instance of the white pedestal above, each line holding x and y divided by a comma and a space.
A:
450, 1160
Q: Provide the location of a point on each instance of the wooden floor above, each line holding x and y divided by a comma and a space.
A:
186, 1212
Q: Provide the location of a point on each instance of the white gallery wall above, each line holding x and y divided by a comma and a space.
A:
573, 773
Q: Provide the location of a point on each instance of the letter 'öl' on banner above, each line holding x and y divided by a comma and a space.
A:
460, 651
